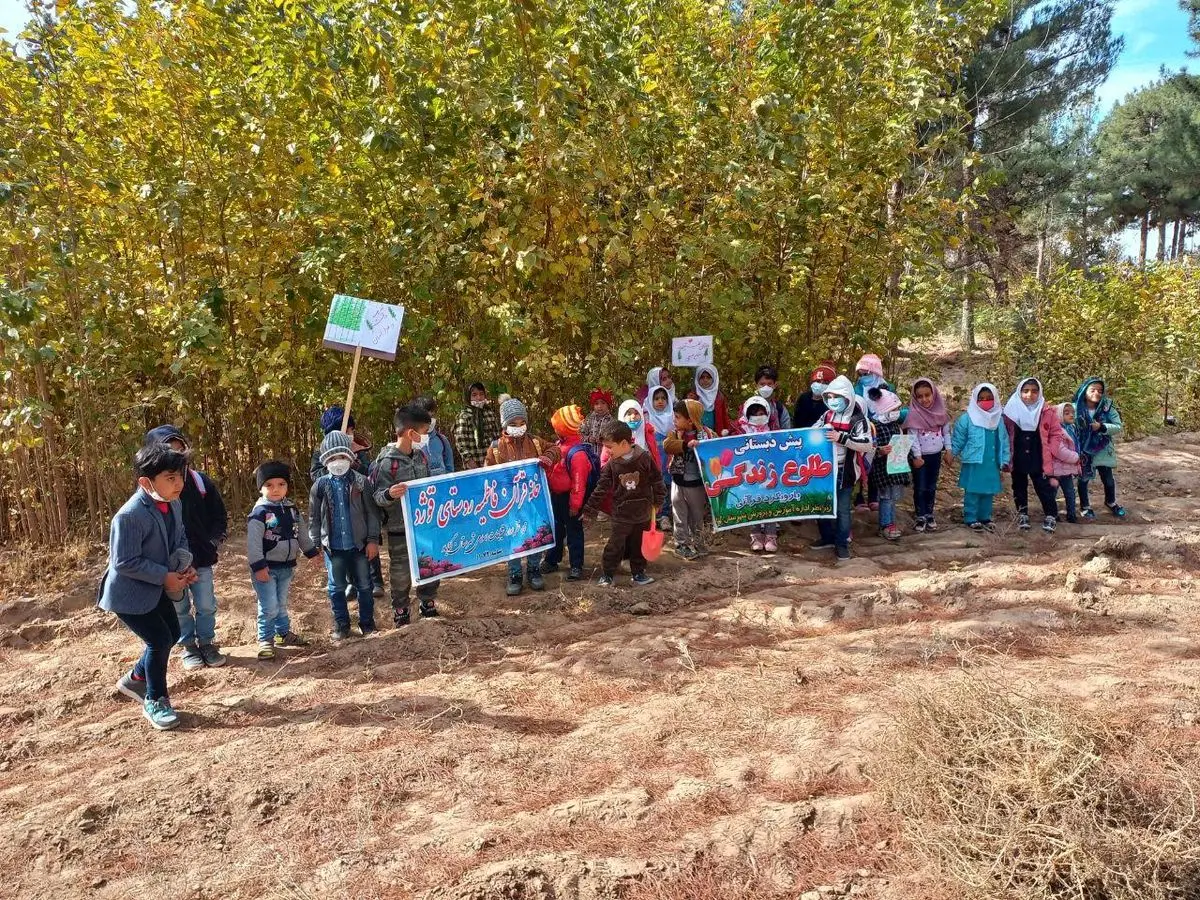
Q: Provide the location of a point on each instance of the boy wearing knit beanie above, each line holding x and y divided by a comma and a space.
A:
514, 444
572, 480
276, 535
345, 524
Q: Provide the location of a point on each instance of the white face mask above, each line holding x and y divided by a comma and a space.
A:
338, 467
818, 388
765, 391
479, 404
421, 443
759, 420
516, 431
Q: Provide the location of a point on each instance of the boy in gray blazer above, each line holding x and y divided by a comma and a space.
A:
147, 535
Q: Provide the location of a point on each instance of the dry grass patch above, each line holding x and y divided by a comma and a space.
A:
1018, 797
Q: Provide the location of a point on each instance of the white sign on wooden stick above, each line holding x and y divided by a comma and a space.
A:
354, 323
690, 352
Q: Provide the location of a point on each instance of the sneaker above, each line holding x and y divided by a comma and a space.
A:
772, 545
213, 657
976, 526
821, 544
515, 584
549, 568
291, 639
756, 543
429, 610
536, 581
341, 632
1117, 510
575, 575
891, 533
266, 650
1049, 524
1089, 514
843, 554
642, 579
368, 629
159, 714
685, 552
605, 581
132, 687
377, 592
192, 657
1074, 520
931, 525
1023, 521
919, 525
401, 617
700, 550
989, 526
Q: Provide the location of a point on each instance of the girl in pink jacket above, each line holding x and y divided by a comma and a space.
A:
1060, 457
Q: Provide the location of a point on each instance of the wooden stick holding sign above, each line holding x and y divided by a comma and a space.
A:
365, 328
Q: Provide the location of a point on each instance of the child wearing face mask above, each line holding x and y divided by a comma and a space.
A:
757, 419
869, 374
1097, 422
929, 423
399, 463
515, 443
810, 407
345, 524
847, 428
713, 403
1031, 426
884, 407
660, 417
1061, 459
767, 379
439, 452
982, 448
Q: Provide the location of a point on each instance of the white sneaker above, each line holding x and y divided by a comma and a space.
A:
756, 543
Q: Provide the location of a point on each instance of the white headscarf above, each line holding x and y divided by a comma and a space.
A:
1025, 417
984, 418
639, 433
708, 396
764, 405
663, 422
654, 380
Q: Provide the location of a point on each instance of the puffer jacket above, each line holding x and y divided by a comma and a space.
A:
573, 480
1060, 459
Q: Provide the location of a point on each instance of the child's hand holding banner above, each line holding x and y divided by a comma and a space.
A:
752, 479
468, 520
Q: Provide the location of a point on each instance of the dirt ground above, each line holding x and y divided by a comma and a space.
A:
578, 743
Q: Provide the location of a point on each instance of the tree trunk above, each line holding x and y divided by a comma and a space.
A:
1162, 240
967, 326
1175, 242
1145, 235
1041, 246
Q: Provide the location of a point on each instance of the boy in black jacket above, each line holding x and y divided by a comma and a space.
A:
207, 525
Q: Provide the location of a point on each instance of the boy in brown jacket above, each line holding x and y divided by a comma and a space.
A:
637, 490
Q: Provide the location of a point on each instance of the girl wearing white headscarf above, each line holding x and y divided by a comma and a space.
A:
662, 423
1031, 425
982, 448
716, 409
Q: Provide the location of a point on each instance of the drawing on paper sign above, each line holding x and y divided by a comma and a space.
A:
354, 322
690, 352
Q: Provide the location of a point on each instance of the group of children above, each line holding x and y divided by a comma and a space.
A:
631, 467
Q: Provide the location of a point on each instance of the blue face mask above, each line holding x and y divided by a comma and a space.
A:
837, 404
818, 388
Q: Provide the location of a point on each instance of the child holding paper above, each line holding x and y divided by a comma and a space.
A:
896, 457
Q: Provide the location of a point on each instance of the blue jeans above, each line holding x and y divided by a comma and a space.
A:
197, 611
837, 531
350, 567
925, 481
159, 630
272, 602
533, 563
568, 533
977, 507
888, 495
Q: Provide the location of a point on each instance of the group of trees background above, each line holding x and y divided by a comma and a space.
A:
554, 190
